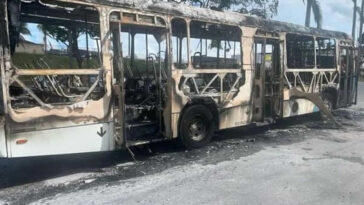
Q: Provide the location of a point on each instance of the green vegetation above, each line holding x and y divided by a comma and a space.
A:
32, 61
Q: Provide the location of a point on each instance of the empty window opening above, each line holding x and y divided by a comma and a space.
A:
179, 43
57, 37
325, 52
143, 51
272, 60
344, 60
300, 51
215, 46
47, 40
258, 59
347, 66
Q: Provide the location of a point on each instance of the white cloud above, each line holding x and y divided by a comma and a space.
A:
337, 14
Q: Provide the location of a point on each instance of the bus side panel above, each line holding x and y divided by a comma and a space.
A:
234, 117
68, 140
297, 107
3, 150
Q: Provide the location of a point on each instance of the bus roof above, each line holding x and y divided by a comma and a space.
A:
226, 17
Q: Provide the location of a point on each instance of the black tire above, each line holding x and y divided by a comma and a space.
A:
196, 127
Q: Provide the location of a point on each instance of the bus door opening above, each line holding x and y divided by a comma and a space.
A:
142, 47
349, 77
267, 82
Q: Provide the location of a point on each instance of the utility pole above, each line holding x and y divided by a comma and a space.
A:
354, 20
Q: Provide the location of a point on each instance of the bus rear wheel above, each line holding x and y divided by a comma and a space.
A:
196, 127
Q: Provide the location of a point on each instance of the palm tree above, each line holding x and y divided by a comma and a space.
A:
24, 31
313, 5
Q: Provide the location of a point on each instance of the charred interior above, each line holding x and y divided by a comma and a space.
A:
56, 55
142, 50
213, 47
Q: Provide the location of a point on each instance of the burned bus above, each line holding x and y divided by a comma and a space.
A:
89, 76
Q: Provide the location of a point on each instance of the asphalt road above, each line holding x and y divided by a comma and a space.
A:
299, 161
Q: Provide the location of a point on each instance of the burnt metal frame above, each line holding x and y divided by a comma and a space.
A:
120, 91
321, 77
50, 73
10, 74
227, 70
262, 38
347, 91
219, 74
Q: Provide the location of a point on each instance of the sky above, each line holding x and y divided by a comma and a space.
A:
37, 37
337, 14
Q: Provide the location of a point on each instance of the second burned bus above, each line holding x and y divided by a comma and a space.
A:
87, 75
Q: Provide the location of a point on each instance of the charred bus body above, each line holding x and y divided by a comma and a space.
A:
160, 71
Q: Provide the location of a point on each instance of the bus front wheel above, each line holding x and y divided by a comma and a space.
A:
196, 127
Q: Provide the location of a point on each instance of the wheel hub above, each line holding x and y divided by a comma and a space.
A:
197, 129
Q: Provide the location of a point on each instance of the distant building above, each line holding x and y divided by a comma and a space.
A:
25, 46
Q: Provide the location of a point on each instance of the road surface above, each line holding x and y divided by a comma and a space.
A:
298, 161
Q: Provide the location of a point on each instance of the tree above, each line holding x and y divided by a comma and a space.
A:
313, 5
261, 8
69, 36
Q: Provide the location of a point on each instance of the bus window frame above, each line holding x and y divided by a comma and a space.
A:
336, 51
171, 50
62, 111
287, 68
239, 47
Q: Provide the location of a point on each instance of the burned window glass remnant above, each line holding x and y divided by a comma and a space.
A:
179, 43
300, 51
141, 44
51, 43
215, 46
325, 53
